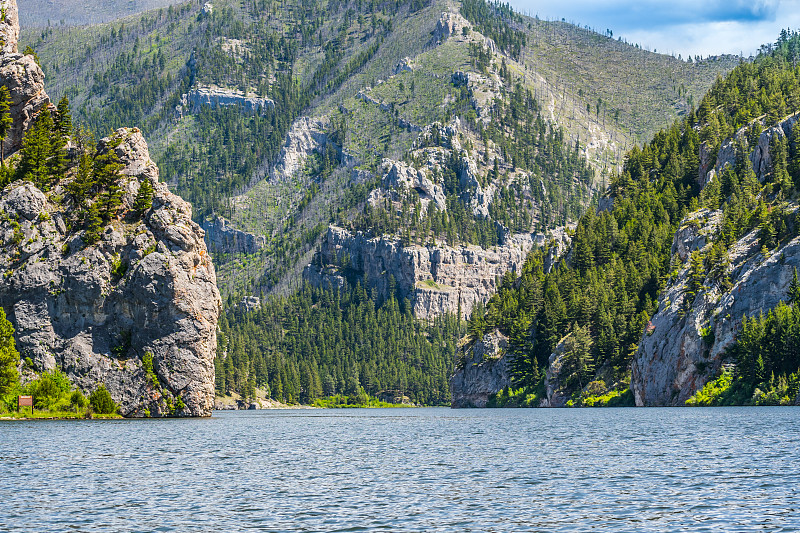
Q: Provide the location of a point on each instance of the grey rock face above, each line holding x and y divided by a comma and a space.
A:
23, 77
402, 176
555, 390
9, 26
307, 136
674, 360
94, 311
436, 279
760, 156
222, 238
485, 372
215, 97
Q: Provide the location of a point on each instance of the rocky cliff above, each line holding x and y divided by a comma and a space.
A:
483, 371
23, 77
686, 344
95, 311
436, 279
215, 97
222, 238
306, 136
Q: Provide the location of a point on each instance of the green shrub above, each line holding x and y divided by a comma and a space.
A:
118, 266
101, 401
49, 389
147, 366
77, 400
713, 391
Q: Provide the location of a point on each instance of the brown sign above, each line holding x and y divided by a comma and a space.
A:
25, 401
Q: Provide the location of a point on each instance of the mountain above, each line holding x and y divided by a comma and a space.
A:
372, 81
418, 150
681, 289
106, 282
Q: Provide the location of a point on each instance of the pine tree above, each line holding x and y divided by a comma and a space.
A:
84, 181
5, 120
94, 224
37, 151
107, 176
63, 121
794, 290
144, 197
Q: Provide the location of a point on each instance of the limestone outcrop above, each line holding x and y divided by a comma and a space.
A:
306, 136
222, 238
686, 342
23, 77
483, 371
402, 176
759, 157
436, 279
556, 391
214, 97
98, 312
9, 26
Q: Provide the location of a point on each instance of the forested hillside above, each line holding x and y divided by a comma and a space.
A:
597, 304
429, 122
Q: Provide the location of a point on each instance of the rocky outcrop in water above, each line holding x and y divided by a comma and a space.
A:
222, 238
23, 77
483, 371
98, 312
687, 341
436, 279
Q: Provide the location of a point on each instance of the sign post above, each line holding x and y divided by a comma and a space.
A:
25, 401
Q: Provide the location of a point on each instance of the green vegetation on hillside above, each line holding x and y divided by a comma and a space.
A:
320, 343
312, 58
494, 20
620, 259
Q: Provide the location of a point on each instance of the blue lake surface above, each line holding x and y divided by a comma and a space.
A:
726, 469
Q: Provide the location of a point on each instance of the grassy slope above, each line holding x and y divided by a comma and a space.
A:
650, 90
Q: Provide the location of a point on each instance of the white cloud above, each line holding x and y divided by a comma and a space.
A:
682, 26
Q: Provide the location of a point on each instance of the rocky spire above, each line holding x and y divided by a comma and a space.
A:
23, 77
9, 26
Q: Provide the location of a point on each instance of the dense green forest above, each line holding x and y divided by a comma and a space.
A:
620, 259
319, 343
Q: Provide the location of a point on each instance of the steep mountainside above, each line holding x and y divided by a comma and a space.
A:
671, 294
425, 87
106, 278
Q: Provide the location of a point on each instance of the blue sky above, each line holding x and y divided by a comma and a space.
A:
679, 26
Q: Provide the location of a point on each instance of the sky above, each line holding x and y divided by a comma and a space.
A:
683, 27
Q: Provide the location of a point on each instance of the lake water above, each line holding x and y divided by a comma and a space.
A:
729, 469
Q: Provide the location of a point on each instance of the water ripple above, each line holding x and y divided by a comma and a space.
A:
410, 470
